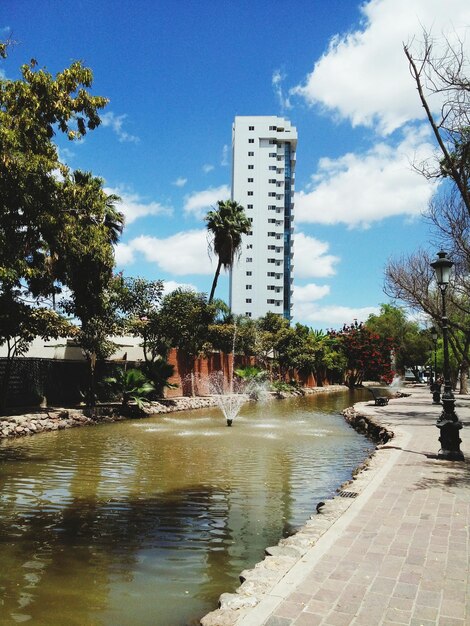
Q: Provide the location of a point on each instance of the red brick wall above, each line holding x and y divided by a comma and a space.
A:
203, 368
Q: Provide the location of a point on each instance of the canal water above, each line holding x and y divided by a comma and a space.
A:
147, 522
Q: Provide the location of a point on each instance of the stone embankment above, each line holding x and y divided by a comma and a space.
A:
44, 420
367, 426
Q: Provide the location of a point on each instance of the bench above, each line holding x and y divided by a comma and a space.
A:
379, 400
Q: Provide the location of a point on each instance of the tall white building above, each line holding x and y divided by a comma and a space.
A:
263, 164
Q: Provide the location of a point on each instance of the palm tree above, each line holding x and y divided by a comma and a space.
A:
226, 225
104, 209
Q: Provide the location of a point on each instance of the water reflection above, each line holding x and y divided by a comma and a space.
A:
147, 522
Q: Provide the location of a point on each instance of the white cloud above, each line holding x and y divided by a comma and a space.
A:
180, 254
115, 122
198, 203
206, 168
171, 285
277, 79
134, 207
180, 182
359, 189
124, 254
364, 74
310, 292
330, 316
311, 259
225, 161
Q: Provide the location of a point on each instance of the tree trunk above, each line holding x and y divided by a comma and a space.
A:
91, 400
214, 282
4, 384
464, 378
11, 353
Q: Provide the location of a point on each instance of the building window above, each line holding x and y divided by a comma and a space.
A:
249, 273
250, 193
271, 247
274, 154
272, 168
248, 300
249, 206
250, 219
248, 314
251, 167
251, 128
272, 221
249, 246
251, 154
272, 180
250, 180
272, 207
249, 259
251, 141
249, 286
272, 194
273, 128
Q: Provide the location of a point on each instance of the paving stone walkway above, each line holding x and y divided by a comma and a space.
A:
400, 554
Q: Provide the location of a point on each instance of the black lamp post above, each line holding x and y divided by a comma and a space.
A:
448, 422
435, 387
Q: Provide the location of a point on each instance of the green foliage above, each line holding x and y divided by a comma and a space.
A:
55, 231
184, 320
281, 386
226, 225
138, 301
221, 337
131, 385
411, 345
158, 372
252, 374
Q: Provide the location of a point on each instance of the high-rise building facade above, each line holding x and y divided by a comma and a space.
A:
263, 164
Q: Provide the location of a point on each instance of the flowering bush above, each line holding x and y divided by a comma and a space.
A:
368, 355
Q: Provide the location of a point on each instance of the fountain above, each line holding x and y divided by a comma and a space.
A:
396, 382
228, 402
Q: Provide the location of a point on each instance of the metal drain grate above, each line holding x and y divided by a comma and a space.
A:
347, 494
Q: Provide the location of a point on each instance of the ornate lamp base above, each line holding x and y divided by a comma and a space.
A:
449, 439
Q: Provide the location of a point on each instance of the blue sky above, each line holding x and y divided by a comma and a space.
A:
177, 72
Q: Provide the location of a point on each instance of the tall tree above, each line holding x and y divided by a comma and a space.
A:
184, 319
440, 72
85, 262
226, 225
37, 220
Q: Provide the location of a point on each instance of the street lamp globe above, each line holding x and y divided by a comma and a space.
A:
442, 267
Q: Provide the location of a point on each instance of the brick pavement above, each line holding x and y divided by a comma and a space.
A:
400, 553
